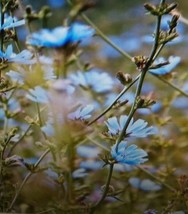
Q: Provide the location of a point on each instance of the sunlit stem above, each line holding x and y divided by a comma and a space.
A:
114, 102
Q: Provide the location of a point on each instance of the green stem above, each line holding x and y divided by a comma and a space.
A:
171, 85
157, 179
70, 157
27, 178
39, 114
116, 99
140, 83
92, 210
103, 36
21, 138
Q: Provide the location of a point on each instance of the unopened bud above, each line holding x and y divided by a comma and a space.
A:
124, 78
170, 8
151, 8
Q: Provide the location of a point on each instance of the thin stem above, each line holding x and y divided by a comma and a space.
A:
116, 99
140, 83
157, 179
105, 190
171, 85
21, 138
39, 114
103, 36
27, 178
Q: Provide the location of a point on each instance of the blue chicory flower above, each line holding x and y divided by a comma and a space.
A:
11, 22
91, 164
38, 95
88, 151
81, 113
79, 173
24, 57
95, 80
48, 128
135, 129
145, 184
173, 62
60, 36
131, 154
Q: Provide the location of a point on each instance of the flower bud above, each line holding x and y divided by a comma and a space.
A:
124, 78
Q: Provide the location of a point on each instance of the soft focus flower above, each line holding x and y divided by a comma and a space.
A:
79, 173
173, 62
56, 3
63, 86
91, 165
60, 36
48, 128
81, 113
145, 184
11, 22
24, 57
135, 129
45, 73
95, 80
88, 151
38, 94
131, 154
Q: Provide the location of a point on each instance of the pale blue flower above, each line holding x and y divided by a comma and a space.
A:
91, 165
24, 57
16, 77
95, 80
60, 36
173, 62
63, 86
48, 128
128, 154
11, 22
56, 3
19, 77
79, 173
145, 184
38, 94
88, 151
81, 113
135, 129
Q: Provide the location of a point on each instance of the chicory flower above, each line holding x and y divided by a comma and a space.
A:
95, 80
81, 113
60, 36
11, 22
128, 154
24, 57
173, 62
135, 129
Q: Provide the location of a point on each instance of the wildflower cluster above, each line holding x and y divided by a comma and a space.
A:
75, 130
